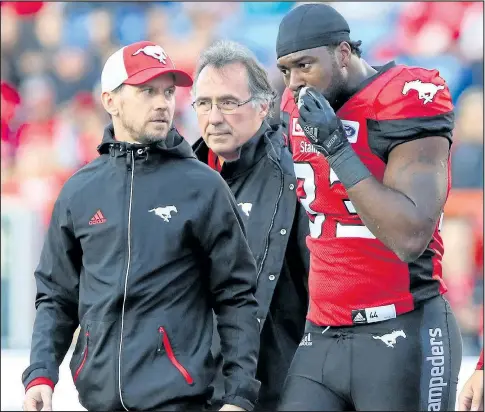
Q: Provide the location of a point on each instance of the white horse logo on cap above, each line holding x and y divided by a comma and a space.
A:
153, 51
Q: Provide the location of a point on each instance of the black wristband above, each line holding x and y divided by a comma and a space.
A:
348, 167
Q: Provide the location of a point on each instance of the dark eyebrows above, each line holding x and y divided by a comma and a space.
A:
296, 61
228, 97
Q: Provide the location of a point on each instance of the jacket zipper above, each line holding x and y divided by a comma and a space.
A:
165, 343
130, 163
85, 356
266, 246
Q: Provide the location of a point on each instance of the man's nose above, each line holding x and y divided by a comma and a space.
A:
296, 81
215, 115
161, 102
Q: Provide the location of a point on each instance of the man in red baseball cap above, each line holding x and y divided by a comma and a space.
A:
139, 63
132, 82
136, 255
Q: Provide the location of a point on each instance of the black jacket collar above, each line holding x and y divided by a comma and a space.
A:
174, 144
267, 140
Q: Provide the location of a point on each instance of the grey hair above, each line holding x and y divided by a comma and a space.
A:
225, 52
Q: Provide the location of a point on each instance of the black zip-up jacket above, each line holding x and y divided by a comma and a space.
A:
264, 184
144, 242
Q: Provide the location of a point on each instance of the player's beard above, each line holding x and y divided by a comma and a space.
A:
336, 93
141, 135
147, 138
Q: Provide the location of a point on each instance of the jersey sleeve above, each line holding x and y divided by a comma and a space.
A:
413, 104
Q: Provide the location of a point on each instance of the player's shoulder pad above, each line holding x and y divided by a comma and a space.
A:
412, 92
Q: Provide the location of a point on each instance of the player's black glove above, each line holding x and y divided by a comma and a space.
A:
326, 132
320, 123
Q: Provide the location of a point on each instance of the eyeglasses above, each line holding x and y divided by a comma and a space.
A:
226, 106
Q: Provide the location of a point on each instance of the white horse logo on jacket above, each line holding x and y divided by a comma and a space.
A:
246, 207
164, 212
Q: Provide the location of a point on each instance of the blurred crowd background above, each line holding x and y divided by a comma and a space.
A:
52, 120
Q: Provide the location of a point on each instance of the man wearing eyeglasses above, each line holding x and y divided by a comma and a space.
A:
233, 99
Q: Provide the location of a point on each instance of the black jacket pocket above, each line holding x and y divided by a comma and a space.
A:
84, 357
165, 345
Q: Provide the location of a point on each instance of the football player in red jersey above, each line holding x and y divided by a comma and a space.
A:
371, 148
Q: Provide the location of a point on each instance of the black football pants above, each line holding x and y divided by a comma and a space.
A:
410, 363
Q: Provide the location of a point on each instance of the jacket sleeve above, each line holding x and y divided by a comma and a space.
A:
57, 281
232, 270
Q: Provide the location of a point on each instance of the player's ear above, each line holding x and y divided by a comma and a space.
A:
109, 103
345, 52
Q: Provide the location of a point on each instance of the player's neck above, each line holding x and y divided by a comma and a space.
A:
367, 69
360, 72
122, 135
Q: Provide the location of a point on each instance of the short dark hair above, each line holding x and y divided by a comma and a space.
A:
354, 47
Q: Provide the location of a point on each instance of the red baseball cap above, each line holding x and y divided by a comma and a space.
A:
139, 63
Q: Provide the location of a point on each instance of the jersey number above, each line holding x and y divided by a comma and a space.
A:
305, 173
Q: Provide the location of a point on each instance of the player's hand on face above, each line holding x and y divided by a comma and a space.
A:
38, 398
320, 123
471, 396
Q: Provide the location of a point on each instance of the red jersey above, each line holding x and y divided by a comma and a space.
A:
354, 278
